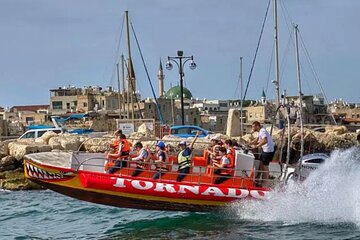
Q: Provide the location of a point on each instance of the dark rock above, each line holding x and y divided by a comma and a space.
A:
15, 180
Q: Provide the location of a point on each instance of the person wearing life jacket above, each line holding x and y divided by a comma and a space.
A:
161, 162
121, 155
140, 159
116, 143
184, 158
224, 168
230, 152
213, 151
114, 147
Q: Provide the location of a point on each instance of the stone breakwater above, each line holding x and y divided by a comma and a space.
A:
12, 152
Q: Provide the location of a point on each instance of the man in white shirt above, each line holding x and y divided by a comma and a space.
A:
264, 141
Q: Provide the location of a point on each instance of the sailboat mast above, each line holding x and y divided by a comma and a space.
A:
276, 46
123, 85
241, 97
119, 91
300, 93
130, 67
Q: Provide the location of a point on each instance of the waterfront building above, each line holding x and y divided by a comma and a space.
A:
315, 111
86, 100
345, 112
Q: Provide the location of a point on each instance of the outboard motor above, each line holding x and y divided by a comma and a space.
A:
308, 164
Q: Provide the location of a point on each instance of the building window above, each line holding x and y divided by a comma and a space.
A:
223, 105
57, 105
67, 105
29, 120
84, 104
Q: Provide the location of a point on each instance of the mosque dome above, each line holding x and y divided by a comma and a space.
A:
175, 92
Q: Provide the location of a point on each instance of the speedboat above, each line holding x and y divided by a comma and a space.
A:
81, 175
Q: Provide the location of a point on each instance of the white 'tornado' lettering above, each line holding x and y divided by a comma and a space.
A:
142, 185
232, 193
258, 194
161, 187
193, 189
213, 190
184, 189
120, 182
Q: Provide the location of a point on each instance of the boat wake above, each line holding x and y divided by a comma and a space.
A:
329, 195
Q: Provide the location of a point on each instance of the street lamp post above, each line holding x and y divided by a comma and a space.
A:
180, 61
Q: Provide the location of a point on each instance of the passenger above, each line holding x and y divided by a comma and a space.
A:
120, 155
161, 161
184, 158
264, 141
213, 151
230, 151
116, 143
168, 149
114, 147
228, 144
141, 159
224, 167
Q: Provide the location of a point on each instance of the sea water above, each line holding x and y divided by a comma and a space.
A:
324, 206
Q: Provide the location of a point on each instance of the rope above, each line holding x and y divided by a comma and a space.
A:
315, 74
117, 52
147, 74
257, 49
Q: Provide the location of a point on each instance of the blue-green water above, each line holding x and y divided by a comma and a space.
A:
326, 206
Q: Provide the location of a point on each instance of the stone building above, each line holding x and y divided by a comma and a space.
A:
85, 100
314, 109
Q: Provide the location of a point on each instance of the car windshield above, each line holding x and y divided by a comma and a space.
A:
29, 135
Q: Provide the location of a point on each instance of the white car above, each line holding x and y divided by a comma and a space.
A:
35, 133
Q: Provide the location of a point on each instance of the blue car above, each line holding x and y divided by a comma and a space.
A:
185, 131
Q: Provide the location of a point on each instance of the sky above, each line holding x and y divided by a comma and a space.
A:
46, 44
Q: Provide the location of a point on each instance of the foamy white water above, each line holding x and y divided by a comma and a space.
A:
331, 194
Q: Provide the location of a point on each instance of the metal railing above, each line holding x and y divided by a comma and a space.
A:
194, 177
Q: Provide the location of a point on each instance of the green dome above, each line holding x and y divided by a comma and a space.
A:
174, 92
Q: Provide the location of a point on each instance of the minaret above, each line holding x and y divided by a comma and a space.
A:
161, 77
263, 97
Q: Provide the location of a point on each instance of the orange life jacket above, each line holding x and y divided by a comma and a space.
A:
116, 145
229, 170
125, 150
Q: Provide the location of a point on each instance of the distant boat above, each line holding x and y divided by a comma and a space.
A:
60, 121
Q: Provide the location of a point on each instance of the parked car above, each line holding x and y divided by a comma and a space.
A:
35, 133
185, 131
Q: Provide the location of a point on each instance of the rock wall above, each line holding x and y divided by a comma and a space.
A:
13, 151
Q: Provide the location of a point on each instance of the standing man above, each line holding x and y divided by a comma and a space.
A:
184, 158
264, 141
